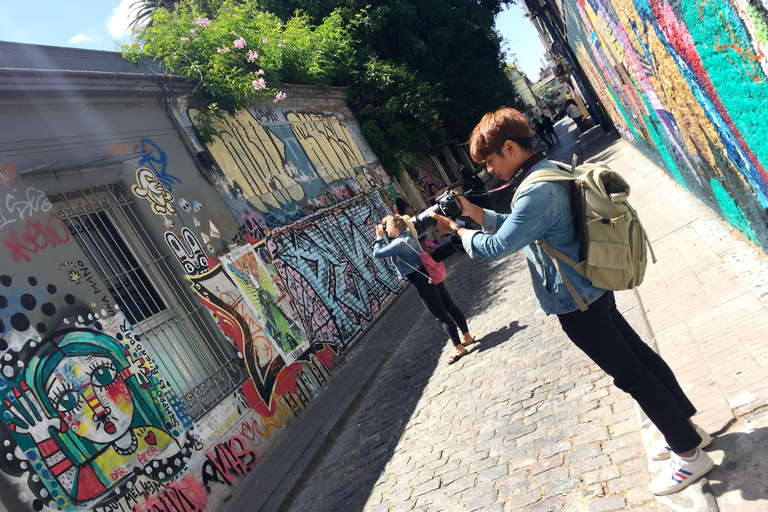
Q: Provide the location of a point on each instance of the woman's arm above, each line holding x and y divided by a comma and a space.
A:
394, 248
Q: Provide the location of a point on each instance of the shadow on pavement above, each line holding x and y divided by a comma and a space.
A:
365, 448
742, 474
496, 338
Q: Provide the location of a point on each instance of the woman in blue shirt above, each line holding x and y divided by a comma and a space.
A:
543, 211
404, 250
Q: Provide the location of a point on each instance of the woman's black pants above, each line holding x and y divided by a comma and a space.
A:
606, 337
438, 302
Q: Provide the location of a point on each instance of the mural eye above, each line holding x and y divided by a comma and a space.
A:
67, 401
103, 376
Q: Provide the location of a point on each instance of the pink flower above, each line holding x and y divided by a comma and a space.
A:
222, 50
203, 22
281, 46
193, 32
260, 72
259, 84
264, 40
184, 39
251, 56
279, 96
239, 43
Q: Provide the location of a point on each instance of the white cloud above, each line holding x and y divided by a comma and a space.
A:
119, 24
79, 38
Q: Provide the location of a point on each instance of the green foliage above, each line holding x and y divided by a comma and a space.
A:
450, 45
400, 113
190, 44
549, 94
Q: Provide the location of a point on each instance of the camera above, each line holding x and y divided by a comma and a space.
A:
445, 205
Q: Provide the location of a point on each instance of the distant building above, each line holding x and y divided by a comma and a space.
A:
522, 85
549, 89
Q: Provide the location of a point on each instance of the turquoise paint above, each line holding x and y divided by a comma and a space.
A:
661, 142
630, 122
661, 147
744, 97
731, 211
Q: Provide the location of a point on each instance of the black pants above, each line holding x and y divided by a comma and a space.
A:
552, 133
606, 337
438, 302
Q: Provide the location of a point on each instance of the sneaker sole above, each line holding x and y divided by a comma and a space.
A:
706, 440
688, 481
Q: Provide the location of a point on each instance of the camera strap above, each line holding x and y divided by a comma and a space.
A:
522, 171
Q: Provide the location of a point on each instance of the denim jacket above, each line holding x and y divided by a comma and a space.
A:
401, 249
542, 210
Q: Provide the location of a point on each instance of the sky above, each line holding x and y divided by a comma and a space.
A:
103, 24
92, 24
522, 42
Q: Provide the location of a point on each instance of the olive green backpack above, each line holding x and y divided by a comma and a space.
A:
613, 241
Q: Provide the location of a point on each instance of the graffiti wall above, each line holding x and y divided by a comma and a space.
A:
162, 320
307, 191
686, 82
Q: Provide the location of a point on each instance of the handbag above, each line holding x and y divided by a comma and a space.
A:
436, 270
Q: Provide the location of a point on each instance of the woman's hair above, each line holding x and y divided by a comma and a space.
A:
401, 205
495, 128
398, 221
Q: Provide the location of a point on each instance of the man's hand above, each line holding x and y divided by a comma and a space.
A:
465, 205
444, 224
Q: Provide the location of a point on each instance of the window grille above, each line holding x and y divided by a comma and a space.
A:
143, 278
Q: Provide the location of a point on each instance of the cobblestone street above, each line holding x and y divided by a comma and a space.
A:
524, 419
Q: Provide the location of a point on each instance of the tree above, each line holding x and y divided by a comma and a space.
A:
449, 45
419, 73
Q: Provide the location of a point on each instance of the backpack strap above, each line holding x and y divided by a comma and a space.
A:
555, 256
429, 279
551, 175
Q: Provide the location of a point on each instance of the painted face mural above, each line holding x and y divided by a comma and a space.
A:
92, 398
86, 415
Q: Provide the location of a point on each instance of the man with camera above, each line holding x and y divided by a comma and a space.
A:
544, 211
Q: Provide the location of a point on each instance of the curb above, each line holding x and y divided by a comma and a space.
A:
697, 497
329, 440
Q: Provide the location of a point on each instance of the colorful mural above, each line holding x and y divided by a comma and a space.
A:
152, 359
85, 404
686, 82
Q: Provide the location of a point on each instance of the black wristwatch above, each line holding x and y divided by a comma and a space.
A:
455, 231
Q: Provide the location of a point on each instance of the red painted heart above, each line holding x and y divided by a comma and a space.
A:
150, 438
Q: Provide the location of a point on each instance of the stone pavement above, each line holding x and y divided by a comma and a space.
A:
526, 422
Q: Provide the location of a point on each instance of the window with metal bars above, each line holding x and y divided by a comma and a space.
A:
195, 359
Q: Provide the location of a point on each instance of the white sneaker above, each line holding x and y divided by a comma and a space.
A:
662, 452
680, 473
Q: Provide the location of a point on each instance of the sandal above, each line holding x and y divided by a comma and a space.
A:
473, 340
456, 357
